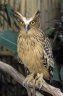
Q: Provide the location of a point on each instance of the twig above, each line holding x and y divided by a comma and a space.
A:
20, 78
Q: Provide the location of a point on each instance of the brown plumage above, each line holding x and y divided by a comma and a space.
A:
33, 47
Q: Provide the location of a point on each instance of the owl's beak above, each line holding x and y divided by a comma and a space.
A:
27, 27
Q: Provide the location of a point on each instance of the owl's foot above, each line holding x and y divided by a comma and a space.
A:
30, 80
35, 79
39, 80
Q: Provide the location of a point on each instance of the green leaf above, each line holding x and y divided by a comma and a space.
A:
8, 39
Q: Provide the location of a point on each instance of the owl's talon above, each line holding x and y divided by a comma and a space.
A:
33, 79
29, 79
39, 80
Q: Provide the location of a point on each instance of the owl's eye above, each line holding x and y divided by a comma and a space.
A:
32, 23
22, 23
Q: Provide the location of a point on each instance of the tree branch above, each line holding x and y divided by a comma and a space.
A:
20, 78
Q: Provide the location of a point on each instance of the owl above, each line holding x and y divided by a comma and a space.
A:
34, 48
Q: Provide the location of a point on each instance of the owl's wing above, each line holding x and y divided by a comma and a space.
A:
48, 55
48, 52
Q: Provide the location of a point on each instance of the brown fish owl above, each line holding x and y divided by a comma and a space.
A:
33, 47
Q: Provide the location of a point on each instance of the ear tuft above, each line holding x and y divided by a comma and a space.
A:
37, 14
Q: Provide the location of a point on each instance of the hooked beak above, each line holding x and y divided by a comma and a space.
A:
27, 27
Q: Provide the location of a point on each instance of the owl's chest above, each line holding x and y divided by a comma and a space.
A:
29, 49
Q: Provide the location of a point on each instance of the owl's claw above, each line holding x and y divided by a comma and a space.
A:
33, 79
37, 80
30, 80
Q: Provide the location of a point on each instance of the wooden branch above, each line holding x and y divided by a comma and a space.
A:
20, 78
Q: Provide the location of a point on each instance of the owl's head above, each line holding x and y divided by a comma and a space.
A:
28, 23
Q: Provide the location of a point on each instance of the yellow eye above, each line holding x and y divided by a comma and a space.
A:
22, 23
33, 22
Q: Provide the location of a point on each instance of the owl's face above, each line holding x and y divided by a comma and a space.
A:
28, 23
